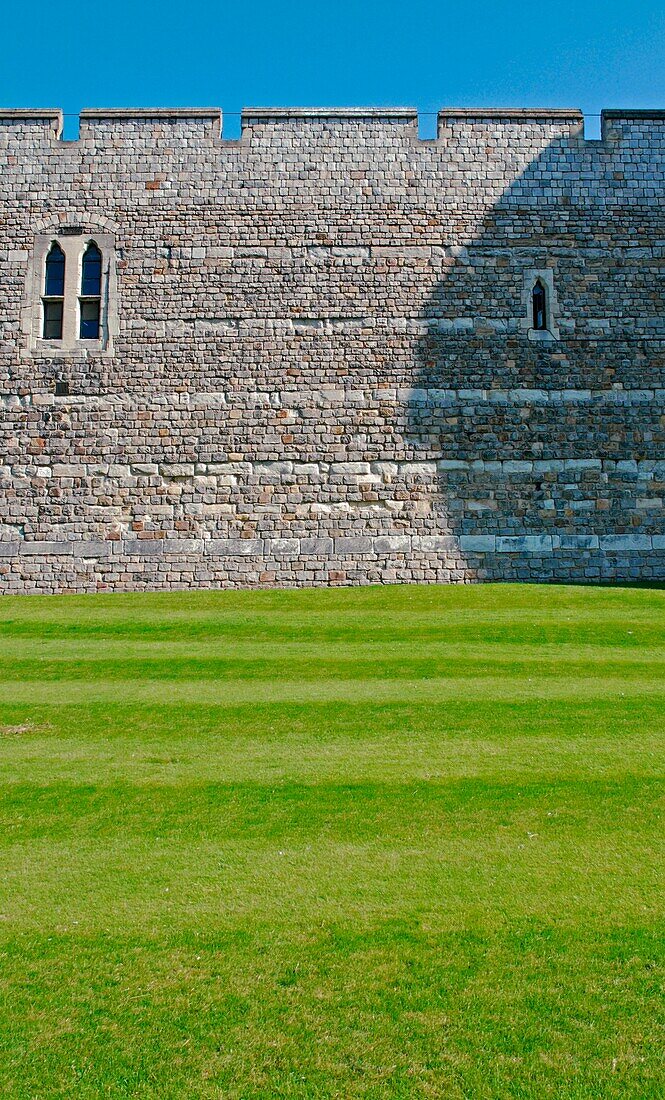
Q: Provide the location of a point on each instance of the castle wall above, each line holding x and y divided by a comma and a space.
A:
318, 366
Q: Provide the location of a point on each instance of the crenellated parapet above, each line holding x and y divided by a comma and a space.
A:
456, 126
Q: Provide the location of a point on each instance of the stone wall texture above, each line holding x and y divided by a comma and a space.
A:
317, 366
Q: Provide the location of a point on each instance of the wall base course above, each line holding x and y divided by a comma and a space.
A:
55, 575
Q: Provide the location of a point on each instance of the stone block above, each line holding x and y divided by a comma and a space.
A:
91, 549
524, 544
189, 547
392, 544
316, 547
235, 548
140, 548
478, 544
45, 549
578, 542
281, 548
436, 544
350, 545
625, 543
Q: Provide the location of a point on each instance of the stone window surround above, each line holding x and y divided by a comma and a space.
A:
73, 244
531, 277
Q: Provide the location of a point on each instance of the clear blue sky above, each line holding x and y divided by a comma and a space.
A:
422, 53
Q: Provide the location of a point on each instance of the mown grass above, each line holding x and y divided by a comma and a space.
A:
400, 842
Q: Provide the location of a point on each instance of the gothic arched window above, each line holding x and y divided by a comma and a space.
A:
90, 300
539, 304
53, 299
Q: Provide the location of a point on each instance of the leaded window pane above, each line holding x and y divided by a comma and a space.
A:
91, 273
54, 283
90, 320
53, 320
539, 308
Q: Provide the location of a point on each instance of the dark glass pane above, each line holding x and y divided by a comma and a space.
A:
54, 283
91, 275
539, 314
89, 320
53, 320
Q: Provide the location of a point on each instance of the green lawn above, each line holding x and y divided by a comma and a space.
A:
382, 842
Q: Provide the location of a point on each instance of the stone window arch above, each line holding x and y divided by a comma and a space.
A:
71, 293
540, 306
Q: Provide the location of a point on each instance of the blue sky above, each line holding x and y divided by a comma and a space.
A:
334, 53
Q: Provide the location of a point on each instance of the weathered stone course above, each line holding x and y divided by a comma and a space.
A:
321, 369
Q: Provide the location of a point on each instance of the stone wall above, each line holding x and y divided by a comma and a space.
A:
318, 366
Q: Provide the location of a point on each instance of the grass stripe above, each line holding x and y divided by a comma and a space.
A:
365, 843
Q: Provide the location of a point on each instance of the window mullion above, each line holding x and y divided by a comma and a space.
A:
72, 276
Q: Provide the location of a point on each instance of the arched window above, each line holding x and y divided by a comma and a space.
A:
90, 301
539, 304
53, 299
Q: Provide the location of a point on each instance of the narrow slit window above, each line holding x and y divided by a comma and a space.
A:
539, 303
90, 301
53, 299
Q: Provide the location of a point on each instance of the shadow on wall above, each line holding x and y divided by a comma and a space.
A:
539, 425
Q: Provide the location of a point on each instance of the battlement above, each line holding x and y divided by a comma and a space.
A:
259, 125
32, 122
199, 123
